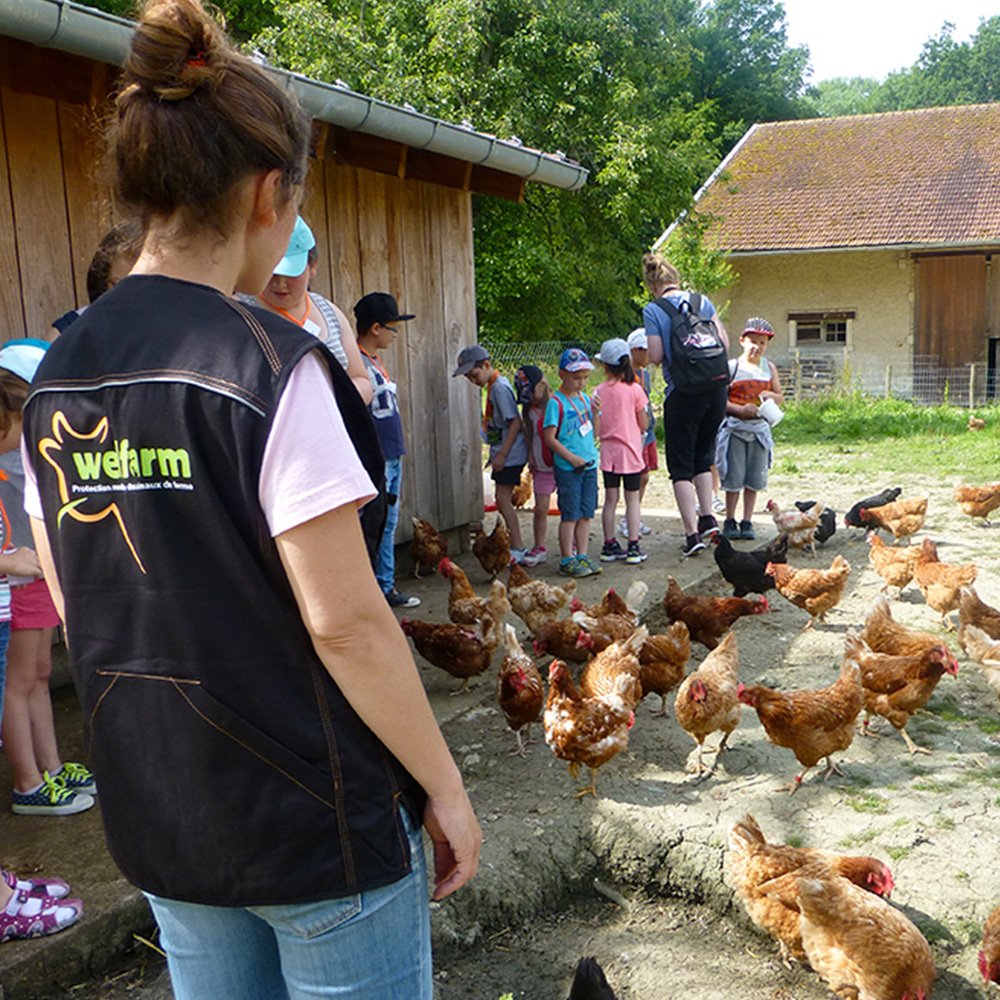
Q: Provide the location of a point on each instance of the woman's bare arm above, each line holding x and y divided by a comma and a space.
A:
357, 637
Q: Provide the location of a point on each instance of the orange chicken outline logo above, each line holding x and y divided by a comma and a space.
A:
71, 507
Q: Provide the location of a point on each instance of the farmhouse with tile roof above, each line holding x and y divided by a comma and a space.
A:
870, 240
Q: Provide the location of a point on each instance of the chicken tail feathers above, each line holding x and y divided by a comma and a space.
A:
590, 983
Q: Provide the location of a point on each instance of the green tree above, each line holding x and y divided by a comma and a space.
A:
843, 96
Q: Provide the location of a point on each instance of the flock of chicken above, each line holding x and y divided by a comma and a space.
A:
824, 908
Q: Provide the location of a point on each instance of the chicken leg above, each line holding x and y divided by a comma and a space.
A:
911, 746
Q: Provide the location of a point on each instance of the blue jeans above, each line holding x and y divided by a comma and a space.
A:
371, 946
385, 566
4, 643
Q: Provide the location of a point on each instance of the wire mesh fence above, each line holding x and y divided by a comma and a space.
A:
922, 379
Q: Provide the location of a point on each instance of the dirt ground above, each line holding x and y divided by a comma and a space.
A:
636, 877
654, 840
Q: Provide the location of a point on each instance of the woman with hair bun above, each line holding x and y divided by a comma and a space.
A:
264, 748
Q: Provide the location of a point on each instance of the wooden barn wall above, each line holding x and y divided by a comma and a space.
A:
375, 233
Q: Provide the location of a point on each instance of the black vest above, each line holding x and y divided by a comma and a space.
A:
231, 769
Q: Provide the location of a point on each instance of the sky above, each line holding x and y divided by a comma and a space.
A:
874, 37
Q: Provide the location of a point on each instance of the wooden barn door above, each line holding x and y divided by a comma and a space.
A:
952, 317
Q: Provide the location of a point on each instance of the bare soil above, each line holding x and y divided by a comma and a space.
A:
636, 876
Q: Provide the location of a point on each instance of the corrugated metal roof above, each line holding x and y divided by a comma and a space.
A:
904, 178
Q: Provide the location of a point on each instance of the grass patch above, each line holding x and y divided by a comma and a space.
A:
947, 709
988, 726
867, 802
932, 785
896, 853
795, 842
946, 823
858, 839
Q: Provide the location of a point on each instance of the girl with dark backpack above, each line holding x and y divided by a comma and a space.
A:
687, 337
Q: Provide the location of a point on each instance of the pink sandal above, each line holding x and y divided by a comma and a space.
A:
28, 916
50, 888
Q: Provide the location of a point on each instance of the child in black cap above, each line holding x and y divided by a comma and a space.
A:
375, 315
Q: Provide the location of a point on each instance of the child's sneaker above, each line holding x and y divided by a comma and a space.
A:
593, 567
27, 916
693, 545
397, 599
623, 528
49, 799
537, 555
49, 888
612, 551
746, 530
76, 778
718, 505
518, 556
730, 529
707, 526
567, 565
635, 555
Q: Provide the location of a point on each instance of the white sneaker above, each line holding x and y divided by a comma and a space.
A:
518, 556
623, 528
718, 505
537, 555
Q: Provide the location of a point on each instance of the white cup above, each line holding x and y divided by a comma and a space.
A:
771, 412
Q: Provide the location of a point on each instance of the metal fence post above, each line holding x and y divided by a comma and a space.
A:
888, 381
972, 385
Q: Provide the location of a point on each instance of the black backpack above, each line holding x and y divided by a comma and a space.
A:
699, 359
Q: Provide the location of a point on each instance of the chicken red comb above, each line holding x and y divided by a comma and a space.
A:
444, 565
576, 604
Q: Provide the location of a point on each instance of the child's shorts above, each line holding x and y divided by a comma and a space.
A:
31, 606
650, 456
630, 480
747, 468
509, 475
545, 482
577, 493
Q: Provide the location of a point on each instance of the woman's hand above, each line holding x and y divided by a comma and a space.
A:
452, 826
20, 562
749, 412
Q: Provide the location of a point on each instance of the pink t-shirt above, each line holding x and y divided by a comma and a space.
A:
621, 435
310, 466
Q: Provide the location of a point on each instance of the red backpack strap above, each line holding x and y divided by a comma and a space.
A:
547, 456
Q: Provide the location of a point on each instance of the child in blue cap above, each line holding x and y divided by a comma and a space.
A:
570, 428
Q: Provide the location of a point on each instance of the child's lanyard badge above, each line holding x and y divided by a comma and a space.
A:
490, 433
586, 427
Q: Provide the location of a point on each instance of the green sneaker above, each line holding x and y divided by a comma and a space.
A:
49, 799
567, 565
591, 564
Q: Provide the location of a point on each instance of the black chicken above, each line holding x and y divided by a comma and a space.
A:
827, 520
590, 983
745, 570
853, 517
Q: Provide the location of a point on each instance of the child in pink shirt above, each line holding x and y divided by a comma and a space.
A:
623, 422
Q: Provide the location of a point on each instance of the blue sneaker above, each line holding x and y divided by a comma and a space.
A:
50, 799
76, 778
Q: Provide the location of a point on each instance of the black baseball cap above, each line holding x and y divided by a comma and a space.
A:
378, 307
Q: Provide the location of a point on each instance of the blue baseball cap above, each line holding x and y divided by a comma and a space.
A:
296, 258
22, 357
574, 360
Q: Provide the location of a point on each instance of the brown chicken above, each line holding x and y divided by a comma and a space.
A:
588, 731
460, 650
607, 629
896, 686
612, 603
764, 875
522, 493
984, 651
708, 618
465, 606
519, 689
894, 565
536, 602
706, 701
989, 955
816, 591
940, 582
492, 550
428, 546
813, 724
861, 945
564, 640
799, 525
979, 501
662, 660
613, 673
974, 611
901, 518
884, 634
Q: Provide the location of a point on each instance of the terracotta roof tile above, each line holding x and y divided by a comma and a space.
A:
907, 177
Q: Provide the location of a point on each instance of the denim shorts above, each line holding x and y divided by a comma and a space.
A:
577, 493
